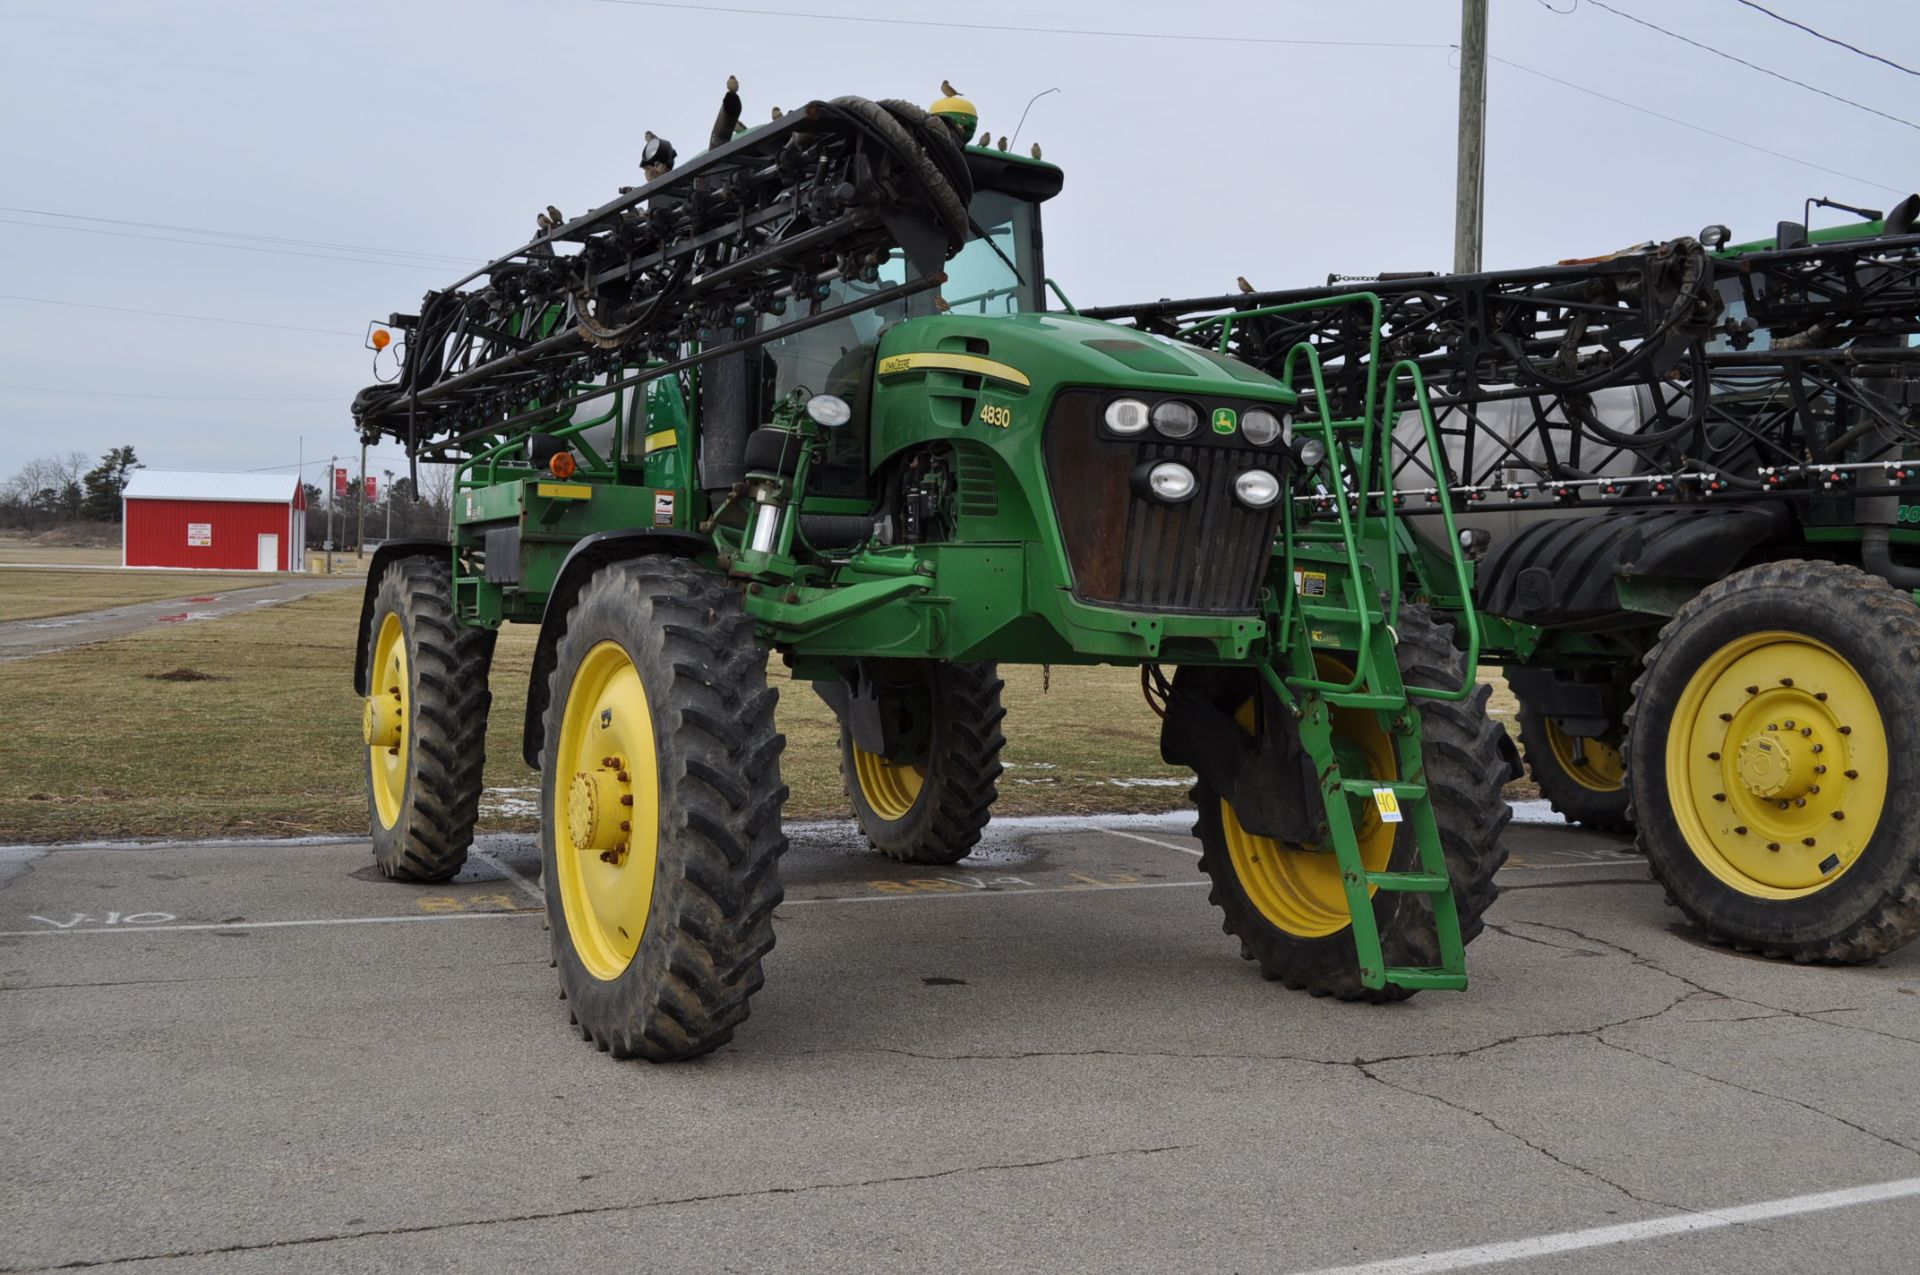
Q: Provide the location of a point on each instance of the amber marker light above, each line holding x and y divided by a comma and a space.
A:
382, 338
562, 465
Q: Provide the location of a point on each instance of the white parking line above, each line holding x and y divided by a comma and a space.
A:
1152, 841
272, 925
1460, 1259
527, 887
981, 893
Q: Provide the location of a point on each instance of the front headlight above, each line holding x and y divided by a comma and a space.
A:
1126, 416
1256, 488
1171, 481
1175, 419
1261, 427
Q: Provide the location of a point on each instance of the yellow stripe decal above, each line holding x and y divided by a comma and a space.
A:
901, 364
665, 438
563, 491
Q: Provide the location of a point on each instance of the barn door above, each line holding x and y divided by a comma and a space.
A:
269, 553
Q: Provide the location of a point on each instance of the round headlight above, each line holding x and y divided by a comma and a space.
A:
1175, 419
1310, 451
1714, 236
1126, 416
1171, 481
1261, 427
1256, 488
829, 410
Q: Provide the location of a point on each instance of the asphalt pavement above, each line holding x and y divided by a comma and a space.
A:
262, 1057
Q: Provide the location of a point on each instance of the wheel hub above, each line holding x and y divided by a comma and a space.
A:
1771, 765
598, 804
381, 719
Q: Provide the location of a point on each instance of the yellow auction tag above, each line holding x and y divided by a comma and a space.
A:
1387, 804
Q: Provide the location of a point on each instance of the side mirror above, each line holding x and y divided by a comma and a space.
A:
829, 410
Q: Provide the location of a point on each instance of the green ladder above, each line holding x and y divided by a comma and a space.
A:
1404, 799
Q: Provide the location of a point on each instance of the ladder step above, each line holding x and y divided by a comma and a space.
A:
1411, 882
1425, 977
1404, 791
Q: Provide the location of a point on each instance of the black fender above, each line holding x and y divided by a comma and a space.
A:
1563, 572
585, 558
386, 555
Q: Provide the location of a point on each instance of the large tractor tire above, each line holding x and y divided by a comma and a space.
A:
1582, 777
660, 810
1285, 903
424, 723
930, 806
1773, 755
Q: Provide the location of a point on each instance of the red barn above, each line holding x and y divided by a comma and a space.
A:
217, 522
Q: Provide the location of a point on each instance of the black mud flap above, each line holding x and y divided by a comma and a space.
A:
1268, 776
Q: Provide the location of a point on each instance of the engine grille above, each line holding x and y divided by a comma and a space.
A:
1206, 555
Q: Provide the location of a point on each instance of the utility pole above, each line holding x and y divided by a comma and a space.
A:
1469, 184
333, 498
360, 503
389, 474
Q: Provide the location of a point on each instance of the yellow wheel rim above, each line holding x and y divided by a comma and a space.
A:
606, 811
1594, 764
384, 720
1297, 888
1776, 765
888, 788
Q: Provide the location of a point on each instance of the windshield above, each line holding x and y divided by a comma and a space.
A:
981, 280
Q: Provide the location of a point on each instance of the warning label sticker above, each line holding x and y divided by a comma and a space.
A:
1310, 584
663, 509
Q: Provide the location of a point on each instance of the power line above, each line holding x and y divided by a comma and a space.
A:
177, 398
1698, 128
988, 26
230, 247
235, 234
1755, 66
168, 314
1820, 35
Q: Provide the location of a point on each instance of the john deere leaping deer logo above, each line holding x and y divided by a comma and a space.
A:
1225, 420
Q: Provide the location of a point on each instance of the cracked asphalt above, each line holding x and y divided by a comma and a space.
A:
261, 1057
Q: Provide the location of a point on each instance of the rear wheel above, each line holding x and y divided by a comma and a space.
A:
1581, 776
1773, 754
424, 723
660, 799
1285, 902
930, 800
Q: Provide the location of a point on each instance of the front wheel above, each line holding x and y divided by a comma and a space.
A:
660, 810
1773, 754
1285, 902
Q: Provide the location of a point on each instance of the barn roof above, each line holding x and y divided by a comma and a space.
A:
180, 484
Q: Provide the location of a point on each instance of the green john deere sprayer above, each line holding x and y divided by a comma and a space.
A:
1690, 473
801, 395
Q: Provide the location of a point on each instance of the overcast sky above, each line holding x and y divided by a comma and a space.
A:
1199, 145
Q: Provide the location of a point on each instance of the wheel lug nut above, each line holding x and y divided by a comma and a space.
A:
1783, 805
1839, 814
1819, 748
1726, 717
1773, 726
1819, 770
1813, 788
1806, 730
624, 777
1846, 730
1806, 841
1713, 756
1740, 831
1753, 690
1719, 796
1786, 681
1852, 774
626, 826
1773, 845
1799, 801
1788, 723
626, 799
1821, 696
